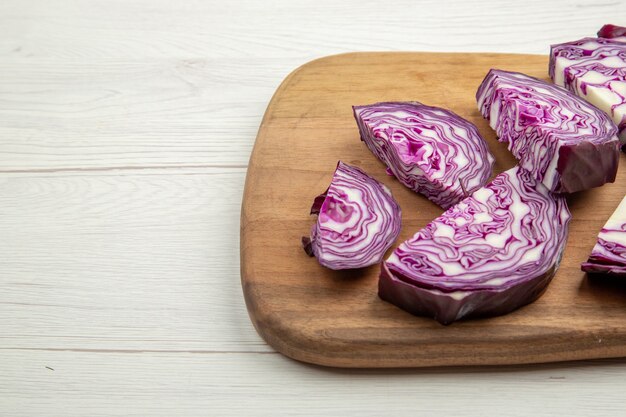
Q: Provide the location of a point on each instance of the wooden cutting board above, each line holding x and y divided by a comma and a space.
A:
335, 318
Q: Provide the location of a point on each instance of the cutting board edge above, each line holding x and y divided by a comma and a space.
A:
292, 342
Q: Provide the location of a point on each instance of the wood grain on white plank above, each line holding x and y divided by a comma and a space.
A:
131, 260
185, 384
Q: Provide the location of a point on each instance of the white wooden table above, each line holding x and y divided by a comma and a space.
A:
125, 131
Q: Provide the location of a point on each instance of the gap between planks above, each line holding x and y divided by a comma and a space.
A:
117, 168
135, 351
480, 369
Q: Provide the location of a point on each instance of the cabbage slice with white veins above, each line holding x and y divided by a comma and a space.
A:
490, 254
563, 141
357, 221
594, 69
609, 253
430, 150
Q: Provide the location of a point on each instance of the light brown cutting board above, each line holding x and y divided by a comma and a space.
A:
335, 318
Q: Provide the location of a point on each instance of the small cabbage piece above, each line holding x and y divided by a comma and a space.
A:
358, 220
617, 33
495, 251
594, 69
430, 150
563, 141
609, 253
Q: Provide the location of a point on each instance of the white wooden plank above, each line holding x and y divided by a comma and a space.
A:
57, 114
140, 260
197, 28
167, 384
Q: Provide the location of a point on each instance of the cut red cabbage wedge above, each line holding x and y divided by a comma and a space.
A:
492, 253
564, 142
609, 254
613, 32
358, 220
594, 69
430, 150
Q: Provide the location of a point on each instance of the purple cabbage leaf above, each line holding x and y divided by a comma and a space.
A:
609, 253
613, 32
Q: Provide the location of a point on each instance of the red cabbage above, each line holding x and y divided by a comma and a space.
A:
612, 32
563, 141
495, 251
594, 69
609, 253
430, 150
358, 220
